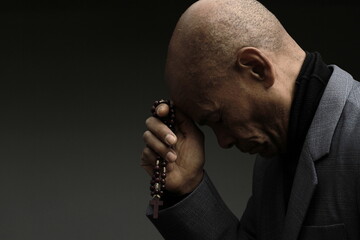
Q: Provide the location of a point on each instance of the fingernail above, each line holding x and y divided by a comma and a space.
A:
170, 139
170, 156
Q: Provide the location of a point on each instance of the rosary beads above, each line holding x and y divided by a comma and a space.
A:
157, 184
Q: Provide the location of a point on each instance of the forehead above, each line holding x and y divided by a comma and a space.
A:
195, 106
193, 98
190, 83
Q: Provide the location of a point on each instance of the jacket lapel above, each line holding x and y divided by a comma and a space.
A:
316, 146
302, 191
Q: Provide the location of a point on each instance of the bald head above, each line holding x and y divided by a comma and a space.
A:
232, 64
211, 32
216, 29
209, 36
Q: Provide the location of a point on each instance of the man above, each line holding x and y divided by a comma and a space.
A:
232, 66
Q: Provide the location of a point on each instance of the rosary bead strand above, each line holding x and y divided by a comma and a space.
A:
158, 182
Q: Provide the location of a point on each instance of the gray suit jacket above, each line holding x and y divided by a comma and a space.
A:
325, 197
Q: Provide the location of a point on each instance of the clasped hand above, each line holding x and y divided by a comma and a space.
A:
184, 150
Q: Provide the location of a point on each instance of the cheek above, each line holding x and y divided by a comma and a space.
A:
236, 125
250, 133
237, 116
239, 122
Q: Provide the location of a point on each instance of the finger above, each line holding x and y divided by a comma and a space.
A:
161, 130
148, 157
162, 110
148, 161
159, 147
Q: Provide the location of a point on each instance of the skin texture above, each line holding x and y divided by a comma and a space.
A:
231, 66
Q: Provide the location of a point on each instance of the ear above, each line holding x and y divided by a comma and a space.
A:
254, 63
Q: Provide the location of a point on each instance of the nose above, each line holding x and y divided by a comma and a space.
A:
225, 140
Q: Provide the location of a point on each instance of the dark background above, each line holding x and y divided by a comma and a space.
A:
76, 83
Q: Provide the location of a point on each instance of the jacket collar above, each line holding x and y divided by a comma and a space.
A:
321, 131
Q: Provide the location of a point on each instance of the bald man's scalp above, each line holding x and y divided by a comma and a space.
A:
207, 41
214, 30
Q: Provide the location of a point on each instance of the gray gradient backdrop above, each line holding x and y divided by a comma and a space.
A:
76, 83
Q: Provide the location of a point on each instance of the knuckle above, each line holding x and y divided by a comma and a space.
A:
148, 121
155, 125
146, 151
144, 159
146, 135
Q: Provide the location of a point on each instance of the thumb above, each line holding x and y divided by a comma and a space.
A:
162, 110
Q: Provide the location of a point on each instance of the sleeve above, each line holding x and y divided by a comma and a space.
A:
202, 215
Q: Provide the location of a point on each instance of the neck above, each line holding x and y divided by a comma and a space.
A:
287, 67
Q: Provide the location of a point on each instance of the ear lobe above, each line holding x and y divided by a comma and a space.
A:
252, 61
